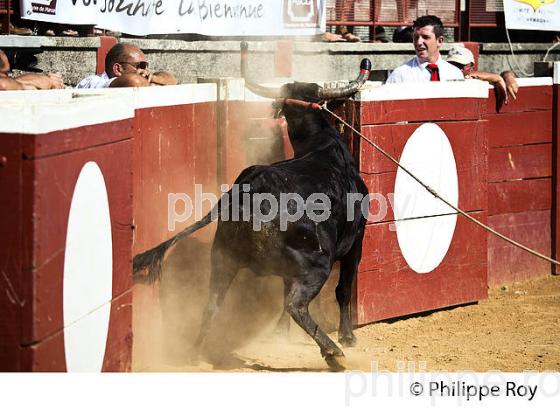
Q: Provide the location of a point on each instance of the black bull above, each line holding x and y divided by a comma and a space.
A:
303, 251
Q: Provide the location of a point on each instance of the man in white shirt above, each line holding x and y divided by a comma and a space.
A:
427, 65
126, 66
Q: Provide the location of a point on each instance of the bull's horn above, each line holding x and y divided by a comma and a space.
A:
263, 91
348, 90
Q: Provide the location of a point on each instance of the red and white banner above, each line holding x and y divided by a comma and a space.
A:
207, 17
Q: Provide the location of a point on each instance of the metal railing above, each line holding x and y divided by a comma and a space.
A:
482, 13
372, 13
6, 9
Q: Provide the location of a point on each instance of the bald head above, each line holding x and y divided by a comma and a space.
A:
120, 57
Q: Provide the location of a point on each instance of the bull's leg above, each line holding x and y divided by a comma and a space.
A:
283, 325
348, 269
301, 294
223, 270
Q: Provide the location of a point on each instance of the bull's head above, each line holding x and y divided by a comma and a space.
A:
298, 103
309, 92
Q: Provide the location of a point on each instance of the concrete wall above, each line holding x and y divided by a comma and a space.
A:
496, 57
75, 58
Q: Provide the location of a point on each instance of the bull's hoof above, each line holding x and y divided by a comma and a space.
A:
348, 341
337, 363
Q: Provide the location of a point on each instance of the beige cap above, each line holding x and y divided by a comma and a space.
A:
460, 55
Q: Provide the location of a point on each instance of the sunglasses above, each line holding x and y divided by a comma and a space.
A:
142, 65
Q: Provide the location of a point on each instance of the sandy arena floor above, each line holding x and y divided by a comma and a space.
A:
517, 328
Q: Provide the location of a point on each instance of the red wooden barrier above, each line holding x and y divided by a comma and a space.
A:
169, 145
183, 138
520, 181
65, 233
175, 149
150, 142
446, 262
555, 213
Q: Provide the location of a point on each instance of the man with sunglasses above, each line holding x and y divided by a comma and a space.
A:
126, 66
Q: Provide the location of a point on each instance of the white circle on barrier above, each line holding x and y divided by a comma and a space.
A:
88, 273
424, 238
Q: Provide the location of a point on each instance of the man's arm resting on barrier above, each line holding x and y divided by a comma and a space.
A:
163, 78
143, 80
47, 81
9, 84
129, 80
495, 79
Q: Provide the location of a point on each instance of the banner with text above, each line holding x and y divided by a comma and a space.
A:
207, 17
532, 14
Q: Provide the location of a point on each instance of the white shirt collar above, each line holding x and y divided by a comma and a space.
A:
424, 64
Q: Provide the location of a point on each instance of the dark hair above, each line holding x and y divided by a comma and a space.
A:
117, 53
430, 21
403, 34
380, 34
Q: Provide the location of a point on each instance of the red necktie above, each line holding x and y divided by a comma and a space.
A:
434, 70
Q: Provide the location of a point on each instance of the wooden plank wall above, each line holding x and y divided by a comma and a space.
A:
556, 171
178, 147
386, 286
520, 184
175, 148
11, 256
40, 173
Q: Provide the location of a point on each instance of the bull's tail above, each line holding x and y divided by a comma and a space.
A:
153, 258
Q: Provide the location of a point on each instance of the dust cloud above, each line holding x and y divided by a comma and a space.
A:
265, 140
250, 312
